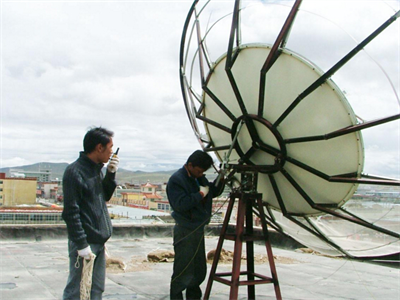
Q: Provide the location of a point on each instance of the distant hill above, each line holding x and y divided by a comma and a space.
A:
123, 176
57, 169
140, 177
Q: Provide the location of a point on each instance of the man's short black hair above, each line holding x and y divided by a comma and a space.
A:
95, 136
200, 159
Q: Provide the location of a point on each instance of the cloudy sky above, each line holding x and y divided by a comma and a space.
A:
70, 65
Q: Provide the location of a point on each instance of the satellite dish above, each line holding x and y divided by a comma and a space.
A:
254, 101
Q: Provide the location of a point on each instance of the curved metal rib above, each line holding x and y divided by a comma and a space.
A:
343, 131
335, 68
346, 178
231, 57
325, 208
275, 52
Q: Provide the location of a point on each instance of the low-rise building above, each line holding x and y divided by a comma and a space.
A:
49, 190
137, 200
43, 175
17, 191
146, 198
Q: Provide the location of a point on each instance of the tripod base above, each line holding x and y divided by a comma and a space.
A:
243, 233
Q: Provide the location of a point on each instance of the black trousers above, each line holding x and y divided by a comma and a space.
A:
190, 266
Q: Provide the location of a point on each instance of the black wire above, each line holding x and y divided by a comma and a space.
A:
198, 246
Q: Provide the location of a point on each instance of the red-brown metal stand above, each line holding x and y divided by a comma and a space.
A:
243, 233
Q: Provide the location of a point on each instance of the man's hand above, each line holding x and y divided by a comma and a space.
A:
85, 253
113, 164
204, 190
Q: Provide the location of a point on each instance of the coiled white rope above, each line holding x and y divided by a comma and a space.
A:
87, 274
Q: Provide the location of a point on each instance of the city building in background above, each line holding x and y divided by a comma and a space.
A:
48, 190
146, 198
17, 191
43, 175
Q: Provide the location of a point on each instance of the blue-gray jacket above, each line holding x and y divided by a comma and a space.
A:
85, 195
189, 209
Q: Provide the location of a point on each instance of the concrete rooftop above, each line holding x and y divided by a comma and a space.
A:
37, 268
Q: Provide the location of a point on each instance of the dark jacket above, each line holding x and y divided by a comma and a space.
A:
86, 191
189, 209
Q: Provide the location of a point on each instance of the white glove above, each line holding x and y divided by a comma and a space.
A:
113, 164
85, 253
204, 190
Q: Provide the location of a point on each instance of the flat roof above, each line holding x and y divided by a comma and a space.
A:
38, 269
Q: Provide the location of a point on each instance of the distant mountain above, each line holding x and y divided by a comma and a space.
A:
57, 169
140, 177
123, 176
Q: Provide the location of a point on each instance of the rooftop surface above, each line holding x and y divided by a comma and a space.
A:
38, 269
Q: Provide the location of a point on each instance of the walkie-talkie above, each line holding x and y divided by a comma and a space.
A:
113, 169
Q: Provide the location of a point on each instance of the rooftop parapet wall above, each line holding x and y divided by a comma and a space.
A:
48, 232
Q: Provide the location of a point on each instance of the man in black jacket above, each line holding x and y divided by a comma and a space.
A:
86, 192
190, 196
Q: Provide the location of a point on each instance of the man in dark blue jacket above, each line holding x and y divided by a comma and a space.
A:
190, 196
85, 212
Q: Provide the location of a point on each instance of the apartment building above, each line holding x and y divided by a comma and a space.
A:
17, 191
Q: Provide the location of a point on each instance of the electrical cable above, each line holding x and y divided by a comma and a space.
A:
187, 266
333, 273
364, 285
201, 239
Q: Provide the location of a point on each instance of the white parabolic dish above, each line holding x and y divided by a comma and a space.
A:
264, 109
323, 111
